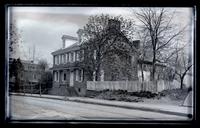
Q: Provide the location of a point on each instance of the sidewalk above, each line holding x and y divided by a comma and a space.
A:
160, 108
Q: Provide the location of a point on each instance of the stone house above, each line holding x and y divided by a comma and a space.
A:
68, 74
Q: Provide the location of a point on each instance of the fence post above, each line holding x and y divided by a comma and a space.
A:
24, 89
126, 85
65, 92
40, 89
31, 90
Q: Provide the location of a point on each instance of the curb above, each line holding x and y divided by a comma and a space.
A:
137, 108
113, 105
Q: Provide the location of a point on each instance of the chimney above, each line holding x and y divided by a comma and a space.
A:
114, 24
136, 43
80, 33
63, 39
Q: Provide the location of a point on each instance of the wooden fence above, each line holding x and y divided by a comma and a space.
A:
133, 86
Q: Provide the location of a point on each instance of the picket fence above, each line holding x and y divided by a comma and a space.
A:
133, 86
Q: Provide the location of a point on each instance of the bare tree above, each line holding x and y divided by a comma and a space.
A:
45, 75
182, 64
143, 50
161, 33
43, 65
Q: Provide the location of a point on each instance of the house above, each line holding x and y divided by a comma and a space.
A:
67, 70
29, 75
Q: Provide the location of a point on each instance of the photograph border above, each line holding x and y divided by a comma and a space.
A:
7, 120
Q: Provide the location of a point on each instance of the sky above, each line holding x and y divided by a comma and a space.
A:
43, 27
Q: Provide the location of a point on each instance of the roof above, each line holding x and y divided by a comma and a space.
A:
150, 63
69, 37
111, 30
72, 47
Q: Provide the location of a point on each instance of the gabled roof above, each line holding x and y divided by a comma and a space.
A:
72, 47
69, 37
150, 63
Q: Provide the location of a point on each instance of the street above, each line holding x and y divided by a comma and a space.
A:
23, 107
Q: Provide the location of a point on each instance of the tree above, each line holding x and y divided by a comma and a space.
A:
161, 33
182, 64
143, 51
96, 41
43, 65
16, 69
14, 38
45, 75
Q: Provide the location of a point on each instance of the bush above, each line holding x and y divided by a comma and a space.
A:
146, 94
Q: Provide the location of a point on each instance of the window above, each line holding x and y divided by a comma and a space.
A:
81, 55
56, 76
54, 59
57, 59
64, 58
132, 58
34, 76
64, 76
74, 55
67, 55
78, 75
77, 56
71, 57
60, 59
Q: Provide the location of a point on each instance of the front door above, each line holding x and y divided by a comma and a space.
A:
71, 83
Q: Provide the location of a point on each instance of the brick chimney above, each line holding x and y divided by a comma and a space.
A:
67, 37
136, 43
114, 24
63, 39
80, 33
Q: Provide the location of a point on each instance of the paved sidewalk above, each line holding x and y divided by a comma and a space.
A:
161, 108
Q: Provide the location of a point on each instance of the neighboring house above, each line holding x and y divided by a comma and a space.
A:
147, 68
67, 72
30, 75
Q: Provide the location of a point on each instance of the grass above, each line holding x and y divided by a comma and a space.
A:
175, 96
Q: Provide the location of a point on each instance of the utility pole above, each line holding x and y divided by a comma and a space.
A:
33, 53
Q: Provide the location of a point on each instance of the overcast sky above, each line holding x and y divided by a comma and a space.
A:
43, 27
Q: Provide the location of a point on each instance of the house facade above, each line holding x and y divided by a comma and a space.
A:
67, 70
66, 67
28, 76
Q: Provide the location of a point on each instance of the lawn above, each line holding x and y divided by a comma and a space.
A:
172, 97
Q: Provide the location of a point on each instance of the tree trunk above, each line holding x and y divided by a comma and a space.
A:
182, 78
153, 67
97, 75
142, 75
